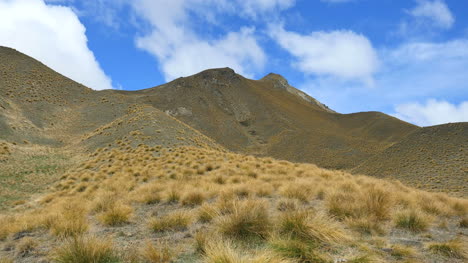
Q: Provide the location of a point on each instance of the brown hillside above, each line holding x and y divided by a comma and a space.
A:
269, 117
433, 158
40, 106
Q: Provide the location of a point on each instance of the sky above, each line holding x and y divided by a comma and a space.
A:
407, 58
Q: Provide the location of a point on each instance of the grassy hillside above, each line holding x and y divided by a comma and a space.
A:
433, 158
151, 204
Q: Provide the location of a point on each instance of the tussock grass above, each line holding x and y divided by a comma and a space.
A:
222, 252
193, 198
85, 250
176, 221
116, 215
207, 212
297, 250
412, 220
249, 218
401, 251
156, 254
284, 213
69, 221
451, 249
312, 228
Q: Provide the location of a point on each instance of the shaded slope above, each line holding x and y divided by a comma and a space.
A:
270, 117
432, 158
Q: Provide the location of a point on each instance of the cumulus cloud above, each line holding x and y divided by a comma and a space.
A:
435, 11
433, 112
343, 54
181, 51
53, 35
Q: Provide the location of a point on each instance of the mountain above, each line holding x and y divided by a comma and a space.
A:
268, 117
40, 106
431, 158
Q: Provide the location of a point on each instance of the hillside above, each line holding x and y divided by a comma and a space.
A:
48, 123
432, 158
268, 117
187, 204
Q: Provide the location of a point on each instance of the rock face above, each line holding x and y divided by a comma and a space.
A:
280, 82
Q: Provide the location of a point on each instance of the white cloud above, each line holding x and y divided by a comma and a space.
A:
435, 11
53, 35
182, 52
411, 72
342, 54
433, 112
255, 7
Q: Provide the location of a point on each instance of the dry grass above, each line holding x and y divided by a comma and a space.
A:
451, 249
85, 250
312, 228
175, 221
249, 218
156, 254
26, 246
116, 215
193, 198
284, 213
412, 220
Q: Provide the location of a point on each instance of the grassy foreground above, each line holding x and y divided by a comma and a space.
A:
188, 204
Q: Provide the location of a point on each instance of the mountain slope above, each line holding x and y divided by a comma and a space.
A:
40, 106
431, 158
270, 117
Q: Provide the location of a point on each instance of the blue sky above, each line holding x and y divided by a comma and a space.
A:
407, 58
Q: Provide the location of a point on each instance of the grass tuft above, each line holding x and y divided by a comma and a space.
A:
85, 250
176, 221
159, 254
452, 249
116, 215
412, 220
249, 218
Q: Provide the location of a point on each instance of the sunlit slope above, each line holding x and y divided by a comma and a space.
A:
188, 204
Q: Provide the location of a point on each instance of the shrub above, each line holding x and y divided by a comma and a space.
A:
412, 220
249, 218
176, 221
85, 250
